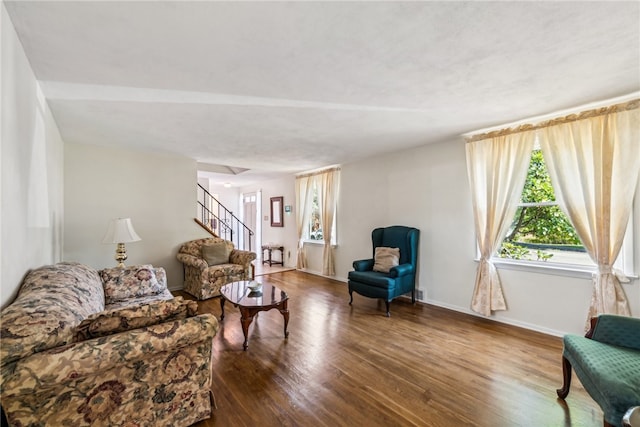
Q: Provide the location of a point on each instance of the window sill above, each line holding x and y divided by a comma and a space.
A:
317, 242
567, 270
313, 242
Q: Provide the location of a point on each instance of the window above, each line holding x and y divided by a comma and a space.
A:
540, 231
542, 234
314, 227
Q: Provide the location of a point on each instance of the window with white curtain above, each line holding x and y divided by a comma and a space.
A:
542, 236
313, 229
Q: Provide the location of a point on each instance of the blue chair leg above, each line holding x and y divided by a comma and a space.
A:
350, 296
387, 304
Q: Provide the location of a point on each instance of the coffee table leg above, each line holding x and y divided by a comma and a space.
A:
285, 313
222, 300
247, 318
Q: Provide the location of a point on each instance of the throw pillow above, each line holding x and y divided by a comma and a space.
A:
129, 282
128, 318
216, 253
385, 259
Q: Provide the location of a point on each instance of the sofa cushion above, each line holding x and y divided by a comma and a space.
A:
385, 259
216, 253
147, 299
124, 319
610, 374
51, 302
225, 271
129, 282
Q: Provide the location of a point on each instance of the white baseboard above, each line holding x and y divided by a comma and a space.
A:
507, 321
317, 273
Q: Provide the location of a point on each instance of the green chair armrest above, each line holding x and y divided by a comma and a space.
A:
401, 270
363, 265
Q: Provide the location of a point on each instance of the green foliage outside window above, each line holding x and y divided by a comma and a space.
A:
315, 232
539, 227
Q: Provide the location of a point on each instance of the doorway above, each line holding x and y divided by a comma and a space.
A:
250, 207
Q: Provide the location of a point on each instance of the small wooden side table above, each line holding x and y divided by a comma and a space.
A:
270, 249
251, 303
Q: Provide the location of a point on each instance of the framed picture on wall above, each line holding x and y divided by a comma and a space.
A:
276, 212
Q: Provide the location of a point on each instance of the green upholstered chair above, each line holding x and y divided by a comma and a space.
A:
607, 362
400, 279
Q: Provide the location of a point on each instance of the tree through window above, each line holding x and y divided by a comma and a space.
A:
540, 231
315, 228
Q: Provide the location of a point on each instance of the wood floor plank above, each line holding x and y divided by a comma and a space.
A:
348, 365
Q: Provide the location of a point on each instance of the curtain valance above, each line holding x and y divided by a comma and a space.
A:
624, 106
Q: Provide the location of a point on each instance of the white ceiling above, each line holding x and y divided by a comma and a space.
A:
282, 87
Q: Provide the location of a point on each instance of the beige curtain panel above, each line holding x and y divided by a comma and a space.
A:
303, 195
328, 184
497, 169
594, 164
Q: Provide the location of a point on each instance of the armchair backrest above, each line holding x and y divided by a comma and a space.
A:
621, 331
398, 236
194, 247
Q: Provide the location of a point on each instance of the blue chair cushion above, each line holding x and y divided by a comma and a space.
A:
373, 278
610, 374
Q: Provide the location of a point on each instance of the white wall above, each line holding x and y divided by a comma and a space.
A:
31, 170
427, 188
286, 235
157, 191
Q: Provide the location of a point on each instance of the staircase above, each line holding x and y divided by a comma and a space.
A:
214, 217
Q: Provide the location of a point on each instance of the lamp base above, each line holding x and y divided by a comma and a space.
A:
121, 255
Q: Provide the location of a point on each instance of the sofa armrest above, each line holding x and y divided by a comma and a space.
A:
241, 257
192, 261
621, 331
87, 358
401, 270
363, 264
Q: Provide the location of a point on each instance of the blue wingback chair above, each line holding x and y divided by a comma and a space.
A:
400, 279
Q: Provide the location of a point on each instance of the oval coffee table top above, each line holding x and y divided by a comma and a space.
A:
238, 293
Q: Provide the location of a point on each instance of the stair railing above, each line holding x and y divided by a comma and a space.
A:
221, 222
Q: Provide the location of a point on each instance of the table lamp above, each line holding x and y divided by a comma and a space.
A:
120, 231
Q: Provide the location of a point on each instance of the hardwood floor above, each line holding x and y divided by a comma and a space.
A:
351, 366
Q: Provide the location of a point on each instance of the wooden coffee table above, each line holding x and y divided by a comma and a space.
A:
251, 303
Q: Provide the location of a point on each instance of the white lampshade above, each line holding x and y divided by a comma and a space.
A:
120, 230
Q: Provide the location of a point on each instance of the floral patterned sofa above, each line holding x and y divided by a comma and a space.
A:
204, 281
113, 348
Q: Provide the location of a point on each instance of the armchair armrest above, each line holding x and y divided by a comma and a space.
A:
363, 265
193, 261
621, 331
401, 270
241, 257
85, 358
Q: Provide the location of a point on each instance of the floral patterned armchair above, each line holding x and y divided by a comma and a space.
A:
204, 281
